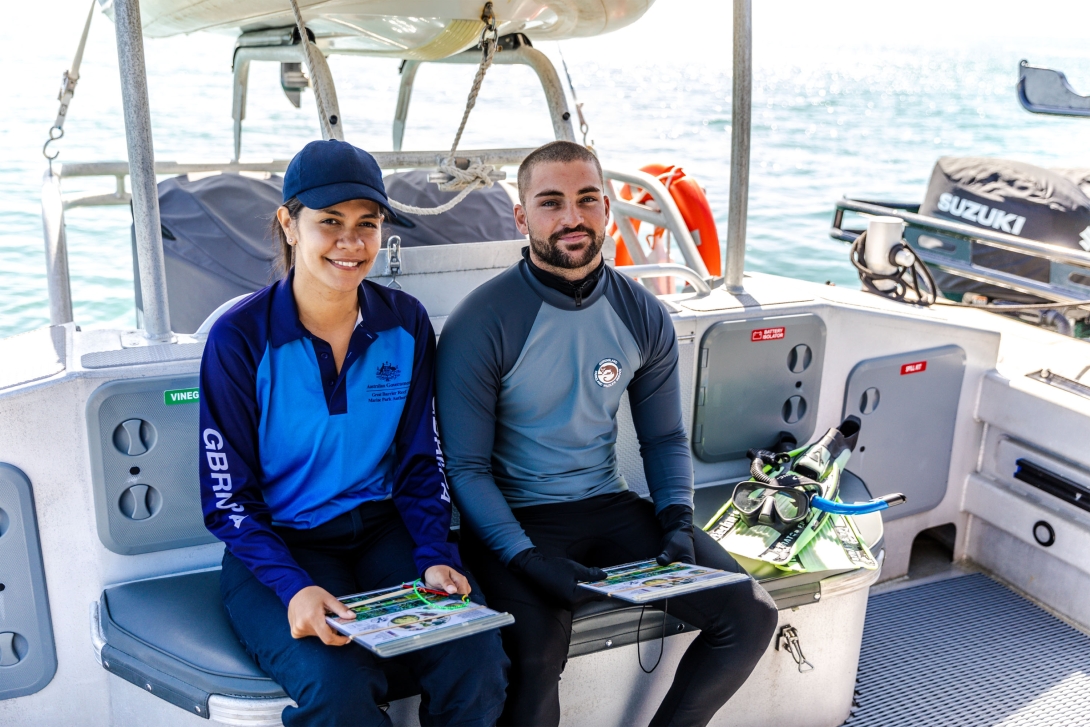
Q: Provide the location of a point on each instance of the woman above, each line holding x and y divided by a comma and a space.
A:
320, 466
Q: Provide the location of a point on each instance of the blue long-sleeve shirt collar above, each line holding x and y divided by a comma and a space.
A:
375, 315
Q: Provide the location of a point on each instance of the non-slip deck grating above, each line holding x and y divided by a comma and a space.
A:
968, 652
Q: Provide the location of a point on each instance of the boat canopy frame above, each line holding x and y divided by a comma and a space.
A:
283, 45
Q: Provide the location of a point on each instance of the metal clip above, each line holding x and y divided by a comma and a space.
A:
789, 640
393, 260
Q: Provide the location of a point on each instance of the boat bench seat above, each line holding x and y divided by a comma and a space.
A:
171, 637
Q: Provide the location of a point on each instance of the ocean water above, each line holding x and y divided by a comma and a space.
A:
828, 120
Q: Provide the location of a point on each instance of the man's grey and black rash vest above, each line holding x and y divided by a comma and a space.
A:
528, 388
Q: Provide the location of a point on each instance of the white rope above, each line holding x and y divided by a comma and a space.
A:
477, 175
308, 52
468, 180
463, 181
490, 45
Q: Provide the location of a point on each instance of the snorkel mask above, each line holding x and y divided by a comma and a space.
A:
781, 494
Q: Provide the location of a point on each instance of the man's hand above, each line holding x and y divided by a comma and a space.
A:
445, 578
306, 615
677, 537
558, 577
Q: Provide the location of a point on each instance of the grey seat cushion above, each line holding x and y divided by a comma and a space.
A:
177, 626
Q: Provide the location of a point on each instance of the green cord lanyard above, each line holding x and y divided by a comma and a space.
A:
417, 585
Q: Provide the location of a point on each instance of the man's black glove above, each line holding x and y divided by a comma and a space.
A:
557, 577
677, 536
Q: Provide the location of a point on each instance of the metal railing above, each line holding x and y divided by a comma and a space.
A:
667, 217
55, 203
948, 246
513, 50
663, 270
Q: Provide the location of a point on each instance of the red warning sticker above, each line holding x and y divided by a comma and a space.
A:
914, 368
767, 334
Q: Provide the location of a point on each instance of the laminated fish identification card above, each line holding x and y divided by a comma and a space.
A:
648, 581
394, 621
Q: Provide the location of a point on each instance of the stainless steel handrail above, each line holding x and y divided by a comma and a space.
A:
740, 118
962, 231
385, 159
523, 55
150, 263
662, 270
667, 217
966, 269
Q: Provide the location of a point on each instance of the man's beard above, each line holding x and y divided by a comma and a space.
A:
549, 252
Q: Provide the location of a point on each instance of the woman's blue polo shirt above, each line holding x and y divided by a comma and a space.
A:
286, 440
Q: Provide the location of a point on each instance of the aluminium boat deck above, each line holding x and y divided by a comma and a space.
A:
968, 652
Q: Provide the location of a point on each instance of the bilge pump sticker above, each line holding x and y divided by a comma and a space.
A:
607, 372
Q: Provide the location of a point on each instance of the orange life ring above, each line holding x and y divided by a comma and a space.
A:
693, 206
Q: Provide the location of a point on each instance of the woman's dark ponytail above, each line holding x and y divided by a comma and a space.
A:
276, 231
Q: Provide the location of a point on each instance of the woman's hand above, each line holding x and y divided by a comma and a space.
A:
445, 578
306, 615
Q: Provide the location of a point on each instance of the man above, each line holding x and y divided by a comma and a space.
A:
531, 369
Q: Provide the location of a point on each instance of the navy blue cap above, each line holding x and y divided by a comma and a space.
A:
325, 173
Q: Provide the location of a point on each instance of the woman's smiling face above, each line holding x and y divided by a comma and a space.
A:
335, 247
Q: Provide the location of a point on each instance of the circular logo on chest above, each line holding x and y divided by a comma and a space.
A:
607, 372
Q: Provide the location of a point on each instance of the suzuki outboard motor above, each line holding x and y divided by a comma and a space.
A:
1011, 197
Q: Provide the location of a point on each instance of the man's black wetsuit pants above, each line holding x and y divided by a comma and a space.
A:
736, 622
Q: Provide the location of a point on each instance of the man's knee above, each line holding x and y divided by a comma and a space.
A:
535, 657
748, 617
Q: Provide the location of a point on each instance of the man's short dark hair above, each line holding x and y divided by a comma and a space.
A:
555, 151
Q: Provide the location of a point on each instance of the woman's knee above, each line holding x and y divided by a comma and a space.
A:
330, 685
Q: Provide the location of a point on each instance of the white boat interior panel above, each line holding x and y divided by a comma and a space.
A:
32, 356
28, 659
142, 355
143, 443
910, 398
963, 643
758, 378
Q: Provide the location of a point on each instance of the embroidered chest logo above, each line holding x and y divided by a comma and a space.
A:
387, 372
607, 372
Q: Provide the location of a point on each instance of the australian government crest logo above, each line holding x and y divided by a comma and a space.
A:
388, 372
607, 372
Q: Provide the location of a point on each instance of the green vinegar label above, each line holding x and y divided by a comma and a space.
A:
182, 396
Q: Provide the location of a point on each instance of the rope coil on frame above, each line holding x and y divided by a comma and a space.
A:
477, 175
